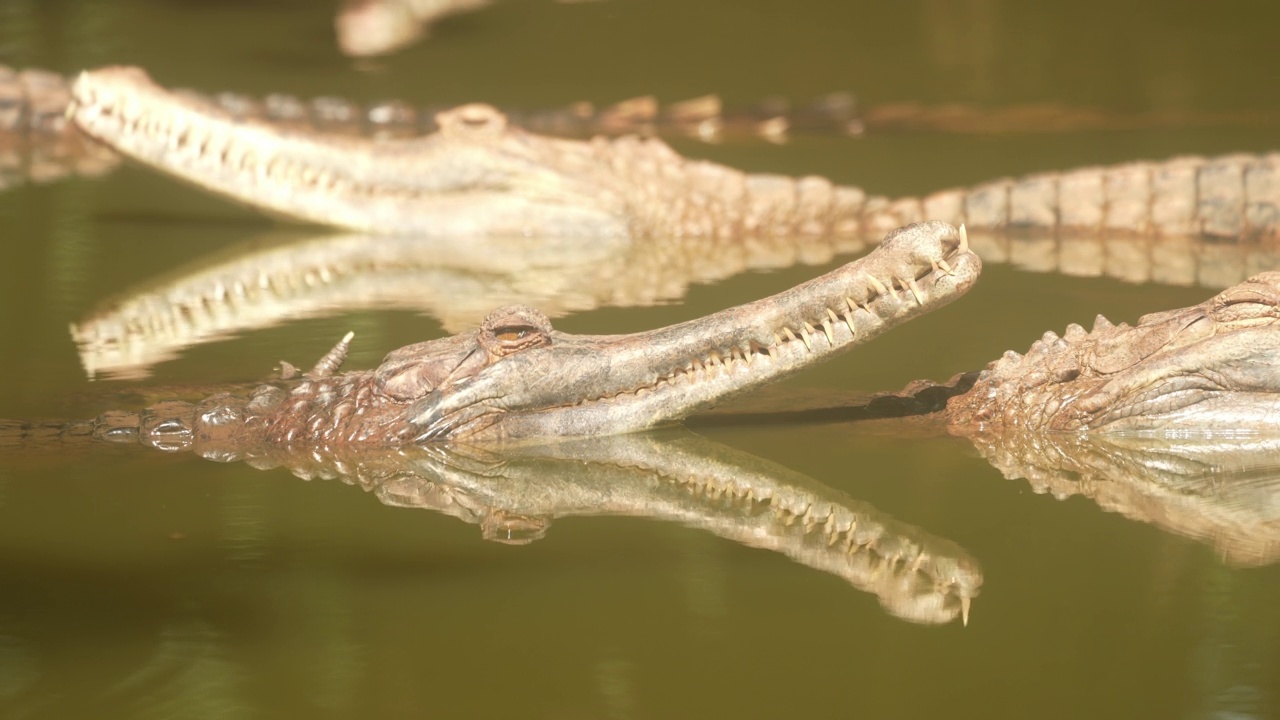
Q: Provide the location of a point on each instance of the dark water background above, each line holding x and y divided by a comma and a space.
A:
140, 585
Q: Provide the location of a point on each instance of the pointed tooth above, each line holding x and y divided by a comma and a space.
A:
848, 320
773, 352
805, 335
964, 239
964, 609
829, 331
946, 267
915, 291
877, 285
790, 335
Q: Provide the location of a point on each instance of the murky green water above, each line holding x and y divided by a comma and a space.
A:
139, 585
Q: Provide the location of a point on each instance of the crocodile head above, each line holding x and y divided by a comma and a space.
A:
1213, 368
475, 177
517, 377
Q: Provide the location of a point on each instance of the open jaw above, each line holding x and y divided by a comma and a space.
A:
1212, 369
475, 177
523, 379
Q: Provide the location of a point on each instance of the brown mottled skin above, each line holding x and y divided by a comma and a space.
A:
480, 176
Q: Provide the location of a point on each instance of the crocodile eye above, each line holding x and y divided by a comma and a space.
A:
513, 334
513, 329
1255, 299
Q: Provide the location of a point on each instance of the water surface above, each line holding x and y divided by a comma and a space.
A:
134, 584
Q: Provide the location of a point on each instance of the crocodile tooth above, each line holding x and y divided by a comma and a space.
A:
946, 267
876, 285
805, 333
848, 320
915, 290
964, 239
829, 331
790, 335
964, 609
773, 352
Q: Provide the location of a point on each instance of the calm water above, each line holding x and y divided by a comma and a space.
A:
139, 585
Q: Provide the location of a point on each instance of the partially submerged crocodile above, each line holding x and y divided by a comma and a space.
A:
477, 385
478, 176
38, 143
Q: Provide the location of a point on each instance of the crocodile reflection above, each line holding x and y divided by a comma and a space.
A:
675, 476
1221, 490
283, 277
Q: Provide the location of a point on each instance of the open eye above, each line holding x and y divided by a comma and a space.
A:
513, 329
513, 333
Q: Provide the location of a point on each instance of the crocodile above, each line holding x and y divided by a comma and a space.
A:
480, 176
444, 389
282, 277
36, 135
